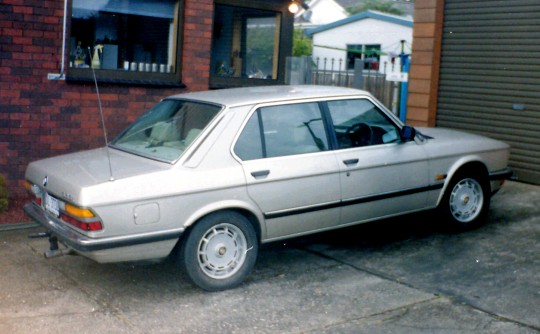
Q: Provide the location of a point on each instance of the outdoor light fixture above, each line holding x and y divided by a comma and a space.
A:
293, 7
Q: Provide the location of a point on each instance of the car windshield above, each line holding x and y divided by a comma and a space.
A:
166, 130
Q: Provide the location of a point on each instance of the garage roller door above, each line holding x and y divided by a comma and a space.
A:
490, 76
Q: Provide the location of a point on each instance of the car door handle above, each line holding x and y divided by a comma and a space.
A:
260, 173
350, 162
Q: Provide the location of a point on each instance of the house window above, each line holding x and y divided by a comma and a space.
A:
369, 53
249, 43
133, 41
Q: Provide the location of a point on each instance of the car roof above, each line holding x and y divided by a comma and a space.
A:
233, 97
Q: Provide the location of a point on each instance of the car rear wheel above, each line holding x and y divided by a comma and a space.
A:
220, 251
466, 201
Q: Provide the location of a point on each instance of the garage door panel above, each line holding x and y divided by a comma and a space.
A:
490, 76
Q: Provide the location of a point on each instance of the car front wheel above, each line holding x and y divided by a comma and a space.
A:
220, 251
466, 201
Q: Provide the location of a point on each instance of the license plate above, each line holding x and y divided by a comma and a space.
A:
51, 205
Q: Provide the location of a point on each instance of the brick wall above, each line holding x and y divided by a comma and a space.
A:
40, 117
426, 55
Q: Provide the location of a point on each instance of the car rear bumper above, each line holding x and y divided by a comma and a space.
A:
84, 244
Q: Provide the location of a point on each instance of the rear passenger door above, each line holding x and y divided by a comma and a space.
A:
290, 171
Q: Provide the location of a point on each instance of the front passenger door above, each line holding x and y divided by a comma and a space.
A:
380, 174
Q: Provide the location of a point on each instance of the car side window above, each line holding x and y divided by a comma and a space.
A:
249, 144
360, 123
281, 131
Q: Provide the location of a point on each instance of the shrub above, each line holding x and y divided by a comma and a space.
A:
3, 194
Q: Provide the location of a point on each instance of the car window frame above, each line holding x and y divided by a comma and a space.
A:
390, 117
256, 109
327, 120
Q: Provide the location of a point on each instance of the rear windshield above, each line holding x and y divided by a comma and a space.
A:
166, 130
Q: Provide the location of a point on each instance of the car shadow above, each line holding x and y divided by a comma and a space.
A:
275, 259
373, 234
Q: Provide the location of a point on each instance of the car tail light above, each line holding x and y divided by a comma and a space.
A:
76, 216
83, 225
81, 218
78, 212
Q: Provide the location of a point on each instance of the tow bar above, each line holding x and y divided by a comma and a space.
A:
54, 249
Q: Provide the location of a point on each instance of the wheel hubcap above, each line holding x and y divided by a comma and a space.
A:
466, 200
222, 251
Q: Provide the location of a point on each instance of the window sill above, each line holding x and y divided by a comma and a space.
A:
125, 77
230, 82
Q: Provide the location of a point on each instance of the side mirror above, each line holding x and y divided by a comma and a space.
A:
407, 133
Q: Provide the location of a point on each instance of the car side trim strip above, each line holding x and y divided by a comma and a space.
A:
354, 201
501, 174
82, 243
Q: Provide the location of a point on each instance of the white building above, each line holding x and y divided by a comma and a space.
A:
373, 36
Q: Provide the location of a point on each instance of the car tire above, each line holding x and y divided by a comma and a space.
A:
220, 251
466, 201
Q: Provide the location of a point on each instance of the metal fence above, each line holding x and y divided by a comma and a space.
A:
308, 71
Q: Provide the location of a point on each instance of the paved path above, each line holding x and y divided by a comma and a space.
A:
403, 275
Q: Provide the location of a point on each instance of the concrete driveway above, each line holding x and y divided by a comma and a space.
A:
403, 275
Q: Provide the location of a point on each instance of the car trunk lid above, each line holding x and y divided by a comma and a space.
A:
65, 176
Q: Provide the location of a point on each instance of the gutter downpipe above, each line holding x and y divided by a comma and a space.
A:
404, 89
62, 75
64, 33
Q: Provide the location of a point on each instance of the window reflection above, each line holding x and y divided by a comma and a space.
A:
245, 43
125, 35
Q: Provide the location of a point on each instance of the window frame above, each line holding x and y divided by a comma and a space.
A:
380, 111
353, 49
329, 128
173, 79
258, 111
284, 44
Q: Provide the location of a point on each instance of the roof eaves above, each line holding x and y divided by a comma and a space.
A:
361, 16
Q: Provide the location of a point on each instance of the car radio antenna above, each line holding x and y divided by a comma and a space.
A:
101, 113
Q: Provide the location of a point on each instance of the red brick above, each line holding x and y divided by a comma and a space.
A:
30, 124
6, 24
22, 40
22, 56
49, 139
12, 32
71, 95
9, 93
59, 146
19, 117
51, 35
51, 20
19, 131
32, 49
23, 10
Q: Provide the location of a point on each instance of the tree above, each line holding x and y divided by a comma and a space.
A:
379, 5
302, 45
